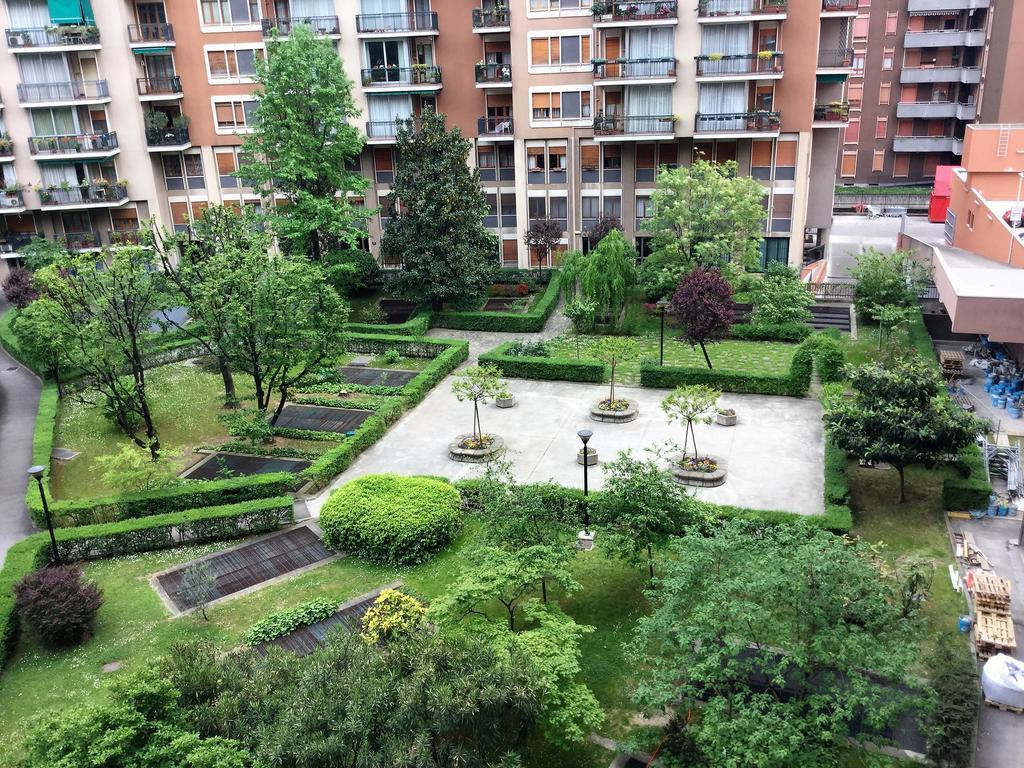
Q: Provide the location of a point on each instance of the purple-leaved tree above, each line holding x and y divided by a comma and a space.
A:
703, 306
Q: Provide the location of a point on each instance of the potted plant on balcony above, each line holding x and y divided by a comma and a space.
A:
601, 11
835, 111
5, 144
716, 56
663, 10
181, 123
419, 74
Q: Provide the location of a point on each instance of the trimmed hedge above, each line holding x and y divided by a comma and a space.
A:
546, 368
792, 332
42, 445
391, 519
417, 325
966, 486
286, 621
532, 321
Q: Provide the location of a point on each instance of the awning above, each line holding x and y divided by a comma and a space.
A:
152, 51
831, 78
71, 12
73, 160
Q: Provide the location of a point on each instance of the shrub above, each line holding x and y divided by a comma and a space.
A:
782, 298
510, 322
287, 621
58, 604
528, 349
18, 288
417, 325
392, 356
952, 705
372, 314
965, 487
391, 519
393, 614
545, 368
829, 358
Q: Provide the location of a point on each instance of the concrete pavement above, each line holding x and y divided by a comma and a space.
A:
851, 234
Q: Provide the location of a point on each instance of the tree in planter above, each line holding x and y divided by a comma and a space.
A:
887, 279
696, 404
703, 307
612, 351
198, 586
900, 415
304, 143
581, 312
603, 276
437, 233
541, 238
19, 288
781, 298
480, 384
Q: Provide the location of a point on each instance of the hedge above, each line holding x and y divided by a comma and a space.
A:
532, 321
791, 332
546, 368
417, 325
966, 485
42, 444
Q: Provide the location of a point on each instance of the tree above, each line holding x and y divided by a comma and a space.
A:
39, 341
612, 351
198, 586
41, 252
541, 238
351, 270
703, 306
101, 319
952, 703
887, 279
900, 415
782, 298
437, 231
304, 142
130, 471
891, 319
691, 405
603, 276
18, 288
59, 604
480, 384
602, 227
641, 506
786, 633
581, 312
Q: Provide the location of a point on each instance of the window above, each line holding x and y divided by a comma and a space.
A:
174, 177
860, 27
855, 94
506, 163
930, 163
782, 213
536, 165
891, 21
645, 162
546, 106
901, 166
878, 161
538, 208
232, 65
227, 164
556, 164
970, 219
383, 165
559, 211
848, 166
229, 12
884, 93
644, 210
194, 170
590, 160
560, 105
785, 160
508, 209
858, 63
234, 114
888, 54
851, 135
612, 163
881, 127
590, 210
761, 160
575, 6
612, 207
567, 51
491, 217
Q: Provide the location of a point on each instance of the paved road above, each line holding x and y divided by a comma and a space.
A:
19, 400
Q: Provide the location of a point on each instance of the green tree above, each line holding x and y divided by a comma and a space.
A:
480, 384
581, 312
887, 279
131, 471
41, 252
892, 319
37, 335
603, 276
304, 142
437, 231
786, 633
952, 703
782, 298
900, 415
613, 351
691, 405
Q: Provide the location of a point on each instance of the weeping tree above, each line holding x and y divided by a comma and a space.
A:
479, 385
603, 276
691, 405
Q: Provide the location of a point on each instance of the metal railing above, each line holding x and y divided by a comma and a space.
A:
495, 126
76, 241
157, 86
382, 129
766, 121
12, 241
167, 137
621, 69
839, 5
150, 33
69, 90
833, 290
834, 112
642, 10
415, 75
84, 195
38, 37
396, 22
494, 73
738, 63
321, 25
490, 17
611, 125
69, 145
710, 8
835, 57
10, 200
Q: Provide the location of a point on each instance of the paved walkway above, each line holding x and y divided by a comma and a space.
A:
19, 401
484, 341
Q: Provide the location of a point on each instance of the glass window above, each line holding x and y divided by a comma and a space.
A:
538, 208
571, 104
613, 207
571, 50
559, 207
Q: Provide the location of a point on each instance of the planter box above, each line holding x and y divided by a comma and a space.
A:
698, 479
505, 402
726, 420
591, 457
615, 417
475, 455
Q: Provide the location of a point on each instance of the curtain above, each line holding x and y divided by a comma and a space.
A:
44, 68
58, 121
650, 43
10, 177
386, 109
728, 40
651, 102
54, 174
305, 9
721, 99
730, 6
28, 14
381, 6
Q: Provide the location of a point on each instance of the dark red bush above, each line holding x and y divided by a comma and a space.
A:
18, 288
58, 604
522, 289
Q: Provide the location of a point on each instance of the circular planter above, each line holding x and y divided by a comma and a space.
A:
630, 412
726, 420
591, 456
698, 479
475, 455
505, 402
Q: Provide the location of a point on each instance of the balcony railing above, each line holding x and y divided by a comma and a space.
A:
77, 241
39, 37
644, 10
87, 195
150, 33
12, 241
838, 5
495, 126
833, 112
738, 63
321, 25
416, 75
615, 125
158, 86
396, 22
936, 110
70, 90
944, 38
484, 18
946, 5
940, 75
9, 200
167, 137
763, 121
633, 69
835, 57
494, 73
711, 8
70, 145
382, 129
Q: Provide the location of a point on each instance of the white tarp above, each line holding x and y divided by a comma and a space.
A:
1002, 680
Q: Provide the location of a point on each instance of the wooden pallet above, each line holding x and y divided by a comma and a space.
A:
1004, 707
991, 592
993, 633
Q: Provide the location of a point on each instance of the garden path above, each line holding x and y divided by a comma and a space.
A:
482, 341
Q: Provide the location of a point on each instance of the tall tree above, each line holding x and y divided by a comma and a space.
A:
887, 279
437, 231
901, 415
480, 384
702, 305
782, 298
101, 318
603, 276
39, 342
303, 143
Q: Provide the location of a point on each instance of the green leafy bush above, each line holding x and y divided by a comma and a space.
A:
393, 615
829, 358
391, 519
528, 349
392, 356
546, 368
287, 621
951, 710
966, 485
532, 321
792, 332
417, 325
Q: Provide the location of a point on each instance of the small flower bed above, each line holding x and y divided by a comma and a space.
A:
700, 464
617, 405
481, 443
726, 411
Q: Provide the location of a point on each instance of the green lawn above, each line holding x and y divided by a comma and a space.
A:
730, 355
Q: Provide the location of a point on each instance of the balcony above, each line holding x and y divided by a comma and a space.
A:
12, 201
835, 58
132, 236
740, 66
943, 6
493, 75
169, 139
402, 78
13, 241
643, 12
738, 123
6, 149
929, 144
967, 75
495, 128
81, 145
834, 114
327, 26
640, 70
936, 110
159, 88
73, 37
945, 38
839, 7
634, 125
491, 20
389, 24
81, 241
64, 93
98, 195
382, 131
729, 10
143, 35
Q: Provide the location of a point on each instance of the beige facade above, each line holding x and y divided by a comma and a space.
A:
570, 110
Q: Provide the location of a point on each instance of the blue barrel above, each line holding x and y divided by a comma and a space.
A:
1013, 412
999, 402
965, 624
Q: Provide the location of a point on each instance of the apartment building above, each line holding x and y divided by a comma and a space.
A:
124, 110
923, 71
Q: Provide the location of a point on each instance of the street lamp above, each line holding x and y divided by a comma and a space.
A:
585, 539
37, 472
661, 355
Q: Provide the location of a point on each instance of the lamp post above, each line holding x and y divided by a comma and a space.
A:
37, 472
661, 346
585, 539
